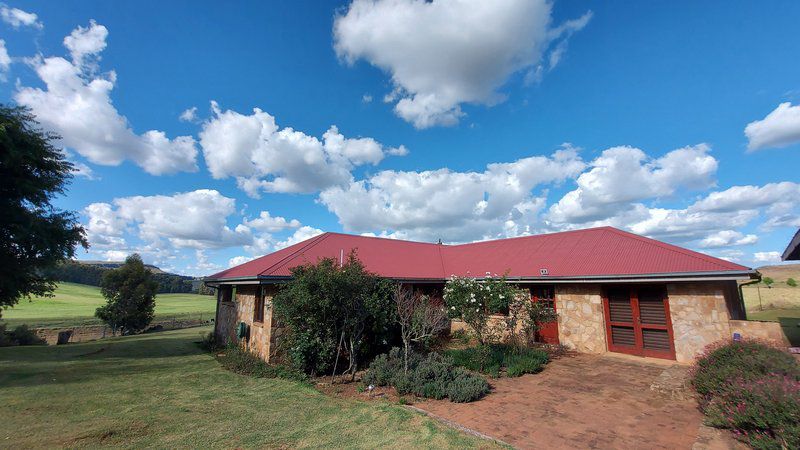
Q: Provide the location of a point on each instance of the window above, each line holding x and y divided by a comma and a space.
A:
258, 308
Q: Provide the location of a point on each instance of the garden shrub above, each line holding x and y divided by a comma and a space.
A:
336, 315
764, 412
466, 387
490, 359
432, 376
241, 361
753, 389
5, 337
746, 360
525, 361
21, 335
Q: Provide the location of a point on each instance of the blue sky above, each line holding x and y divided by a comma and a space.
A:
452, 120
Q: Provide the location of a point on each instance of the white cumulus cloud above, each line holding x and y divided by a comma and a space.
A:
767, 257
266, 222
455, 206
780, 128
77, 105
196, 219
727, 238
5, 61
264, 157
189, 115
441, 54
18, 18
621, 176
302, 233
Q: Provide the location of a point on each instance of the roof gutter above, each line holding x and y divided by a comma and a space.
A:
656, 277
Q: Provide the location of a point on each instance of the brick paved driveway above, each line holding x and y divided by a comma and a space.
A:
583, 401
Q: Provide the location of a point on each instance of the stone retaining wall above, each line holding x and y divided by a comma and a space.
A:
768, 331
66, 335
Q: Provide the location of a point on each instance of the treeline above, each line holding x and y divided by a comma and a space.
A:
92, 274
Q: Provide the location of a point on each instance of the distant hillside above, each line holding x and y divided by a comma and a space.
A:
91, 273
781, 273
779, 295
115, 264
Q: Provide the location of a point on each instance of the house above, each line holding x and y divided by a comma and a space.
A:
613, 291
792, 252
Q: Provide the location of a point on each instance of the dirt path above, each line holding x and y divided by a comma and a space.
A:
584, 401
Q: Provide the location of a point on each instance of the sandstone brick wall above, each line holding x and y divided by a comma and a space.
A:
581, 322
241, 310
768, 331
699, 317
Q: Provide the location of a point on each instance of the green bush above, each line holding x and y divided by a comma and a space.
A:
432, 376
241, 361
764, 412
5, 337
746, 360
525, 361
490, 359
466, 387
335, 315
21, 335
791, 282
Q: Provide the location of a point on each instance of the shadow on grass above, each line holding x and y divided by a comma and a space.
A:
791, 328
36, 365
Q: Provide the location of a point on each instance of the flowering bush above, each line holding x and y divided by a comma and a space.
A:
764, 412
753, 389
473, 301
745, 360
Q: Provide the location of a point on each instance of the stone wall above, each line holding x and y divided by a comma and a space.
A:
70, 335
768, 331
699, 317
241, 309
581, 322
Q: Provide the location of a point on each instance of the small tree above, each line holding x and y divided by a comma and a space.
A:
130, 294
791, 282
419, 318
767, 281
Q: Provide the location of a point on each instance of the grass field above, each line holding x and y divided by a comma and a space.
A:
160, 390
74, 305
778, 303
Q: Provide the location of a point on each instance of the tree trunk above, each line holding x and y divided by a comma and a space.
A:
338, 351
405, 345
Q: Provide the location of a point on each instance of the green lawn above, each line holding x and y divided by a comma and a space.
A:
74, 305
160, 390
788, 318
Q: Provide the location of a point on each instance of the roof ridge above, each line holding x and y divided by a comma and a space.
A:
311, 242
527, 236
674, 248
385, 238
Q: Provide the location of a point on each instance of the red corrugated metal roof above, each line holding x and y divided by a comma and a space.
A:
594, 252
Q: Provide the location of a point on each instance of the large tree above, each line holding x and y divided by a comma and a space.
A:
130, 294
34, 235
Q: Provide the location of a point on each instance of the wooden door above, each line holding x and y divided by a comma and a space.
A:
548, 332
637, 321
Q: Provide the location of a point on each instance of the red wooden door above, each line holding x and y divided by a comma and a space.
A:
638, 322
548, 332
